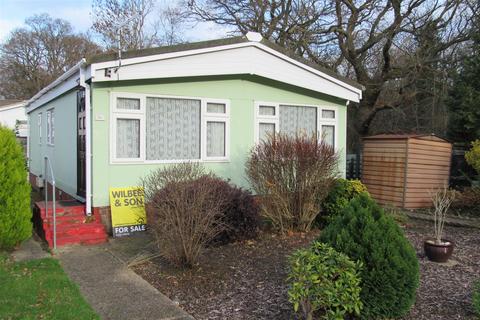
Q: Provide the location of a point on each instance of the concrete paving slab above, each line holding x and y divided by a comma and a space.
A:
30, 249
111, 288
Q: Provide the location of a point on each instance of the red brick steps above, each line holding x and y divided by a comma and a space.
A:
73, 227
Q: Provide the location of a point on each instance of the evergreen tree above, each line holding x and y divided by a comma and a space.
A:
464, 97
15, 212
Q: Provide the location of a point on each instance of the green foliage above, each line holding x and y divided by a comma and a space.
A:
15, 212
464, 97
390, 272
476, 298
340, 195
322, 279
473, 155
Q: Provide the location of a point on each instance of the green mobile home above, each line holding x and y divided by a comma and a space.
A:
108, 122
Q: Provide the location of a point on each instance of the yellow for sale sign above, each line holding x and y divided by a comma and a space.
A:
128, 211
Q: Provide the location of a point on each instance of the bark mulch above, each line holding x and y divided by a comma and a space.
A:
445, 290
247, 280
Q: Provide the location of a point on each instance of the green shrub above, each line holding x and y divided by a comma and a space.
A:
340, 195
476, 298
324, 280
390, 272
473, 156
15, 212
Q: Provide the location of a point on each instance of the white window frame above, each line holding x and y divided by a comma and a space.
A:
50, 127
276, 118
128, 114
328, 122
39, 122
267, 119
205, 117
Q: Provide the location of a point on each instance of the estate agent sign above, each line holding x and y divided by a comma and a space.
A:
128, 211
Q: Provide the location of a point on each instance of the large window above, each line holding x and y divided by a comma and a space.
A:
51, 127
295, 119
159, 129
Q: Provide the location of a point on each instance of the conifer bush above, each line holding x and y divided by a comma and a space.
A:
339, 196
15, 212
390, 273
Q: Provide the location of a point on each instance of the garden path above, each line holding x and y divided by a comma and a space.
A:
111, 288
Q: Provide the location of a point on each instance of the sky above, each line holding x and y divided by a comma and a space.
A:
14, 12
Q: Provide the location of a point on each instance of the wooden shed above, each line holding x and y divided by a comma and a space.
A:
402, 170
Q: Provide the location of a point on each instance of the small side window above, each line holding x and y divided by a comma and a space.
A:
51, 127
40, 128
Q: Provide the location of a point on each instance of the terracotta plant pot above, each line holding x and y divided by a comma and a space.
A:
438, 252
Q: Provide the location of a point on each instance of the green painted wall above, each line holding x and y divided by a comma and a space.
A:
242, 92
63, 154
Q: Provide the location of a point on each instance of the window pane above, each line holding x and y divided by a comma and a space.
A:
328, 134
52, 127
328, 114
298, 120
215, 108
215, 139
128, 138
49, 127
128, 104
266, 130
173, 129
40, 127
267, 111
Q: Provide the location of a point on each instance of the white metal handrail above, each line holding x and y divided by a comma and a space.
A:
45, 185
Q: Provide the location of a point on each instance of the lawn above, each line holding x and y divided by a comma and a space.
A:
39, 289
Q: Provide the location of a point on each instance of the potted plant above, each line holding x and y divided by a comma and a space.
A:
439, 249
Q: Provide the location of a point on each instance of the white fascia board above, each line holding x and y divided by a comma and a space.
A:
308, 68
62, 84
240, 60
54, 92
164, 56
236, 65
13, 106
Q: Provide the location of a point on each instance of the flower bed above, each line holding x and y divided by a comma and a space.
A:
246, 280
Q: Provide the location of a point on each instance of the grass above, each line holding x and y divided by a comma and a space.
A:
39, 289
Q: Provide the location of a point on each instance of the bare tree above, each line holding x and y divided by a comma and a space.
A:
138, 23
109, 15
372, 41
171, 22
33, 56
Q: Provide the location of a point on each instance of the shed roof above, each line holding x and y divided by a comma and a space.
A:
431, 136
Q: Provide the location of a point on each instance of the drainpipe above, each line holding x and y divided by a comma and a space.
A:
88, 146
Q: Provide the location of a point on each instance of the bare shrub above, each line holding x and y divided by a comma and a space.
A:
184, 210
292, 174
441, 199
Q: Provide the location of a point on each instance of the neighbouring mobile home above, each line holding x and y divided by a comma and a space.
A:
108, 122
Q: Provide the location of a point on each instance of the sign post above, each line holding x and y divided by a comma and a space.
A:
128, 211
